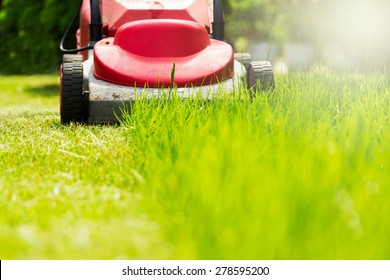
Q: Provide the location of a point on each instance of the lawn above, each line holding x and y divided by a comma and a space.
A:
300, 173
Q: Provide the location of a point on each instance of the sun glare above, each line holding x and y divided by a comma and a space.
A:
356, 32
361, 21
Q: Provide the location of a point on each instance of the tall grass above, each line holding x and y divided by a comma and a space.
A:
300, 173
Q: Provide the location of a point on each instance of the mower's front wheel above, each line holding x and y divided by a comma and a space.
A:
72, 98
260, 76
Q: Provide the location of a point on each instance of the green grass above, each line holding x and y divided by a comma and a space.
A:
302, 173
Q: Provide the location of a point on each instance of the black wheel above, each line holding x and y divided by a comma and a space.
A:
72, 58
244, 58
72, 99
260, 76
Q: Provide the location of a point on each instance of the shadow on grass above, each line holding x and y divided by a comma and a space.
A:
48, 90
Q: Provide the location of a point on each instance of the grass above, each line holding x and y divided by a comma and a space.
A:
302, 173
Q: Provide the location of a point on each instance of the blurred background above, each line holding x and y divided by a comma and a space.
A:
342, 35
305, 34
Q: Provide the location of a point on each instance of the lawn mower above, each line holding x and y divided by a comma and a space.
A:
132, 48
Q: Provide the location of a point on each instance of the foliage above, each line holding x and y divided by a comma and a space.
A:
298, 174
261, 20
30, 32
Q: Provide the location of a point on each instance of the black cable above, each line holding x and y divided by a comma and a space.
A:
66, 34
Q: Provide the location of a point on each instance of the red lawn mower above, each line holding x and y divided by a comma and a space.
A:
129, 48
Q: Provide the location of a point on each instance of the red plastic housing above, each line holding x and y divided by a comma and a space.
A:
143, 53
146, 38
115, 13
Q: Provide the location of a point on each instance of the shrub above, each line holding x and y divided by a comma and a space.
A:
30, 32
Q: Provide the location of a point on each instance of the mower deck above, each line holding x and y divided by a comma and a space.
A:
105, 100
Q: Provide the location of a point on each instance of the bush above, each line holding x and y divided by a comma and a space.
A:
30, 32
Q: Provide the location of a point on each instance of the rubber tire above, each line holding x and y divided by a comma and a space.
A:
72, 99
260, 77
72, 58
244, 58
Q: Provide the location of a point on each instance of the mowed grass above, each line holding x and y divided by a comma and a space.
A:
302, 173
